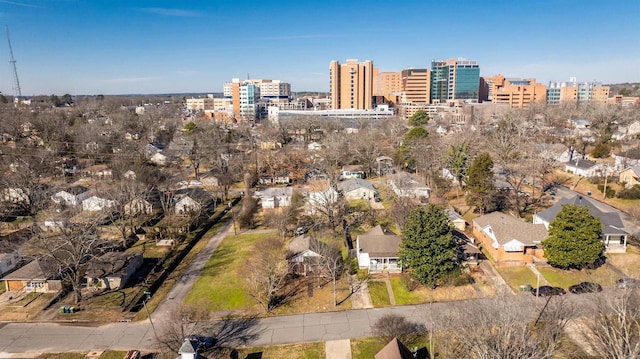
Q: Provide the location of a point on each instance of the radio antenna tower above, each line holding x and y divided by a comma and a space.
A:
16, 83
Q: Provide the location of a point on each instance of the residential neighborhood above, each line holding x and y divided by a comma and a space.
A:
406, 206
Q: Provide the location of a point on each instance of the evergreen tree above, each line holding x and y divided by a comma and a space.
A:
481, 183
428, 249
419, 118
575, 238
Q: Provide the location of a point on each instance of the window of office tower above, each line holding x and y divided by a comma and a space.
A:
467, 82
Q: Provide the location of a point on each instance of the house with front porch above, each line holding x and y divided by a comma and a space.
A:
307, 256
377, 250
275, 197
509, 240
614, 235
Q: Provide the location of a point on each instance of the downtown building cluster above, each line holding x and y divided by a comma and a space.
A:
357, 89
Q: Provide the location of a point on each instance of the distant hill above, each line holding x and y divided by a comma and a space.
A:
628, 89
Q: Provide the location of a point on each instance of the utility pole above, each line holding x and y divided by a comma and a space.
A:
144, 303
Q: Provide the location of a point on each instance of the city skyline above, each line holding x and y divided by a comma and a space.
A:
81, 47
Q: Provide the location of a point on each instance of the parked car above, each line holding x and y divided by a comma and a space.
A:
204, 342
376, 197
302, 229
585, 287
547, 291
625, 283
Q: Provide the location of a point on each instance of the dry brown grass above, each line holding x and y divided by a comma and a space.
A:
628, 263
322, 299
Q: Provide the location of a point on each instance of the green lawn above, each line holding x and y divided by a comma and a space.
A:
366, 348
218, 284
293, 351
403, 296
566, 278
61, 356
379, 294
517, 276
113, 354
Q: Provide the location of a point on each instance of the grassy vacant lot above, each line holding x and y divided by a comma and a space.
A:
379, 294
293, 351
566, 278
113, 354
517, 276
218, 284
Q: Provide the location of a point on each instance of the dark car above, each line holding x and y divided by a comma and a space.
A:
627, 283
376, 197
585, 287
203, 341
547, 291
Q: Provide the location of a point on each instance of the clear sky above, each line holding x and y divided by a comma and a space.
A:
139, 46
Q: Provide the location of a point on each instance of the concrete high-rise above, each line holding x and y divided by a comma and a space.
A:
455, 79
576, 92
351, 85
518, 93
387, 83
416, 86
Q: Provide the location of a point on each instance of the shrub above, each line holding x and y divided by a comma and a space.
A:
353, 266
601, 150
630, 193
457, 277
409, 283
610, 191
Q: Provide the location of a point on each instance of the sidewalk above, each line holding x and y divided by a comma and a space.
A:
360, 299
338, 349
502, 288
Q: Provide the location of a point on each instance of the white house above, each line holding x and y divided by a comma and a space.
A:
14, 195
314, 146
378, 250
138, 206
352, 171
186, 205
321, 193
356, 188
275, 197
158, 159
95, 203
72, 196
584, 168
407, 185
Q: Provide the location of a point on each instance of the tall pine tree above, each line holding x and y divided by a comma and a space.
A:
428, 249
575, 238
481, 183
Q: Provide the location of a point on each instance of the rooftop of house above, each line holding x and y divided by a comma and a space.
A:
303, 243
394, 350
581, 163
355, 183
111, 263
380, 242
611, 222
506, 228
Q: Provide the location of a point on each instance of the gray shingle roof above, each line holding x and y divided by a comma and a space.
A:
581, 163
507, 228
611, 222
380, 242
355, 183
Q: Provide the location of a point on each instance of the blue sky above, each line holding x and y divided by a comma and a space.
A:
137, 46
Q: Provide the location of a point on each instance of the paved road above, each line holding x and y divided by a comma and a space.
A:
27, 339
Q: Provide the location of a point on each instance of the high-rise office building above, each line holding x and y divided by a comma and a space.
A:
576, 92
351, 85
387, 83
245, 97
455, 79
518, 93
416, 86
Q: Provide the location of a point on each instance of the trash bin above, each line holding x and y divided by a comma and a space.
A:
66, 309
61, 309
525, 288
72, 310
588, 193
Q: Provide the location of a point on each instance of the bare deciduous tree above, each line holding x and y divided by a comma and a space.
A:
498, 330
266, 273
613, 328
